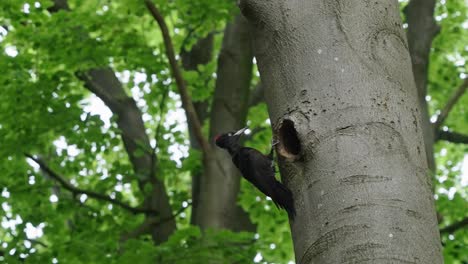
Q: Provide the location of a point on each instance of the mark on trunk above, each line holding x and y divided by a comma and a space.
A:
310, 185
386, 46
415, 120
351, 208
397, 228
384, 259
360, 252
329, 240
360, 179
341, 129
356, 207
413, 214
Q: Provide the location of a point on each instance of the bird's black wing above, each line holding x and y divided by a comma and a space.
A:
257, 169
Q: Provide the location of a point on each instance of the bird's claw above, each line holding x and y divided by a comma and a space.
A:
274, 142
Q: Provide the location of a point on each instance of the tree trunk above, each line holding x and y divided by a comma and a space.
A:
216, 206
421, 31
342, 101
106, 86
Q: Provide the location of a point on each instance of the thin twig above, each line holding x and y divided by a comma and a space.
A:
165, 219
254, 131
453, 137
154, 158
455, 226
451, 102
187, 103
35, 241
74, 190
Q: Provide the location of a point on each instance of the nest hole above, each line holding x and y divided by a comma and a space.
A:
290, 143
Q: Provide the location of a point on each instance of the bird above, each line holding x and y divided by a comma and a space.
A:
258, 169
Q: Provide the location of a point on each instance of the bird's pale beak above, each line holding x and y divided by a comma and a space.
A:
239, 132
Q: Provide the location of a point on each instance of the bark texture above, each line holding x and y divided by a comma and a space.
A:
216, 204
343, 103
421, 31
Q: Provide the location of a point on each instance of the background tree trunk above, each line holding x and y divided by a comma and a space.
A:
106, 86
421, 31
217, 190
343, 103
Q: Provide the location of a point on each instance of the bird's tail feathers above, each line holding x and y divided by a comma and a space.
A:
282, 197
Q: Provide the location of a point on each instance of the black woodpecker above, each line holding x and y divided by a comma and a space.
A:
258, 169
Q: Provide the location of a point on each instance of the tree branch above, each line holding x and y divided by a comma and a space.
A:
35, 241
154, 157
165, 219
74, 190
151, 222
453, 137
455, 226
450, 104
254, 131
187, 103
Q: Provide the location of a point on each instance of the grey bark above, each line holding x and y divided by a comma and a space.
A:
200, 53
343, 103
106, 86
216, 206
421, 31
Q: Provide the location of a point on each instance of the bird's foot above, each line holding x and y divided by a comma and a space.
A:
273, 166
274, 142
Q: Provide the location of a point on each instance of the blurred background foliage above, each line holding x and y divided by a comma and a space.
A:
45, 111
